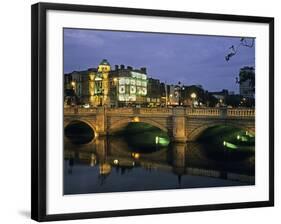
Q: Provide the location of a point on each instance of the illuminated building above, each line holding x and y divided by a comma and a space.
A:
76, 84
173, 95
98, 85
122, 86
128, 86
69, 94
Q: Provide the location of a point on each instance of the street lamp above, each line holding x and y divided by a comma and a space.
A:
193, 97
182, 95
73, 84
180, 89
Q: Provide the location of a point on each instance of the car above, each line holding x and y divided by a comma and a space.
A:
86, 105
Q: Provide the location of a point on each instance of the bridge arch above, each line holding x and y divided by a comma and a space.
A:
85, 121
122, 123
196, 132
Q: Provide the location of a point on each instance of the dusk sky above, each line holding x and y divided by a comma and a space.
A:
190, 59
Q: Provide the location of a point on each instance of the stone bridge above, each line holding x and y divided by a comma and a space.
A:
181, 124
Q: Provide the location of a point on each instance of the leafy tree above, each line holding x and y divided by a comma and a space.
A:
247, 73
210, 100
233, 100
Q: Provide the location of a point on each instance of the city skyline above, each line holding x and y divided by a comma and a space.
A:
84, 49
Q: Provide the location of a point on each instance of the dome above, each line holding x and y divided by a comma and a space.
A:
104, 62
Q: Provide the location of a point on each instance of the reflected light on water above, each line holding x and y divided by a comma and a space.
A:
118, 164
229, 145
136, 155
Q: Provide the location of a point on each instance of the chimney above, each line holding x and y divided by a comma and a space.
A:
122, 66
143, 69
116, 67
129, 67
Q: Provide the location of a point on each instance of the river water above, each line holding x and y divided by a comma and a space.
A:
114, 164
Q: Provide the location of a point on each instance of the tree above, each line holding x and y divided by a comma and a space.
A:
233, 100
247, 73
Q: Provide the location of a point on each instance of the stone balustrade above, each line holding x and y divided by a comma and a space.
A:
192, 112
87, 110
203, 112
120, 110
68, 111
155, 111
241, 112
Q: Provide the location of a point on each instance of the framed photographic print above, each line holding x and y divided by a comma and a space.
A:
139, 111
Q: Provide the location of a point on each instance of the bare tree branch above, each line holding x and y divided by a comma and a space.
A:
245, 42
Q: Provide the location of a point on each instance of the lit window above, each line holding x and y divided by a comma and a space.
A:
144, 83
121, 98
144, 91
133, 82
121, 89
127, 81
122, 81
132, 89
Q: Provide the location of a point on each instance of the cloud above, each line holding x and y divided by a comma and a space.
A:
192, 59
81, 38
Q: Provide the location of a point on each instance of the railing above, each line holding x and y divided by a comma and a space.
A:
196, 112
156, 111
221, 112
241, 112
203, 112
69, 111
87, 110
120, 110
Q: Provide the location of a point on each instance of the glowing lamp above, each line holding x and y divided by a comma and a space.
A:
136, 119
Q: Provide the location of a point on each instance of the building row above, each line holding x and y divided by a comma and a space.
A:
121, 86
127, 86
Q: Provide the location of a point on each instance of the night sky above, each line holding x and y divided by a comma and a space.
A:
190, 59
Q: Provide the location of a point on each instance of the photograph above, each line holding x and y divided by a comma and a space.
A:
146, 111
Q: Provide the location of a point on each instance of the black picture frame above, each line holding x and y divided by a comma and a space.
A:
39, 108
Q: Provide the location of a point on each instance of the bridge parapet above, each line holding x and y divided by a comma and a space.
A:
167, 111
203, 112
73, 110
192, 112
120, 111
221, 112
87, 110
68, 111
243, 112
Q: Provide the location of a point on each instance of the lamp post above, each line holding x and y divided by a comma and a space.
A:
170, 99
115, 81
181, 95
193, 97
166, 95
73, 84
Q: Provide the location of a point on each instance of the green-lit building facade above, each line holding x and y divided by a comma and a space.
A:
122, 86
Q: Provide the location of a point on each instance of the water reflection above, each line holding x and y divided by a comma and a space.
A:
111, 164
